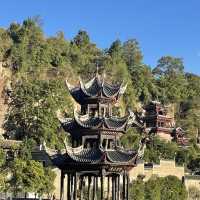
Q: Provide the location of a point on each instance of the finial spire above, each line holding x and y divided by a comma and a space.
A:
97, 69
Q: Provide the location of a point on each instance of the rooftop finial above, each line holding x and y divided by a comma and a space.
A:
97, 68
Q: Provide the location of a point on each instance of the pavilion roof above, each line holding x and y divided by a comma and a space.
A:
94, 156
86, 122
95, 88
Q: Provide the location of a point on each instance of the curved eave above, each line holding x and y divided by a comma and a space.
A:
118, 124
99, 88
123, 157
94, 157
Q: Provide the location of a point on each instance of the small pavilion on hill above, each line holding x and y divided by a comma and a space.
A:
157, 120
96, 165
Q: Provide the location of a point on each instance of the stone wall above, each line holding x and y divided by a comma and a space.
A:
165, 168
192, 181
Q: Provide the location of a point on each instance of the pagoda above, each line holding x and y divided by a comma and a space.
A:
158, 121
96, 163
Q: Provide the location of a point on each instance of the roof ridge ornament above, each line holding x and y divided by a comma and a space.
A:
123, 88
97, 69
69, 86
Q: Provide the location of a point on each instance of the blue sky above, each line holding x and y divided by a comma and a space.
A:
162, 27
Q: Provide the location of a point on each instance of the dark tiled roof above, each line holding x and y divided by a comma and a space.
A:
117, 156
96, 87
94, 156
116, 123
87, 155
112, 123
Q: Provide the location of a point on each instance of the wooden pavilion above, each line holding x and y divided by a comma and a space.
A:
97, 164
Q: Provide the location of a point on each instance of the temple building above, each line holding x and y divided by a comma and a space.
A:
158, 120
96, 165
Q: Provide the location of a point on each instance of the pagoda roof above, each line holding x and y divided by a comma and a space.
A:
94, 89
86, 122
80, 155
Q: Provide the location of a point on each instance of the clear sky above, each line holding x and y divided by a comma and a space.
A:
162, 27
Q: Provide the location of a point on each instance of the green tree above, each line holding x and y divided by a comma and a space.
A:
170, 79
152, 189
84, 54
143, 82
193, 87
33, 110
136, 190
3, 171
131, 52
172, 188
30, 176
5, 44
158, 149
28, 53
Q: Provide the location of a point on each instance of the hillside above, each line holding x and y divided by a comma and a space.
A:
39, 65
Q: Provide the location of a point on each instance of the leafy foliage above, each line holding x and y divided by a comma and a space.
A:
30, 176
159, 149
33, 108
156, 188
39, 66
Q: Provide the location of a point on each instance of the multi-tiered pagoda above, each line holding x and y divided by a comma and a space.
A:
158, 121
96, 163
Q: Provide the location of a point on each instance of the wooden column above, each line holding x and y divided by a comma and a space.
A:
118, 187
89, 184
127, 185
68, 187
81, 187
124, 187
72, 188
62, 185
94, 188
75, 186
113, 188
102, 187
97, 183
108, 188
